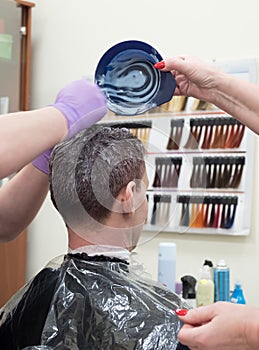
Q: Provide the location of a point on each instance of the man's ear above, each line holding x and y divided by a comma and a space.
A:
127, 199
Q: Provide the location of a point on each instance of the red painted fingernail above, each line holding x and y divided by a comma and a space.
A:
181, 312
159, 65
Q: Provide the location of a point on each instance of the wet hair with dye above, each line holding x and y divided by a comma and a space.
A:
89, 170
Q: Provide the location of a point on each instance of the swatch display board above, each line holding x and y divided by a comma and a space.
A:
200, 169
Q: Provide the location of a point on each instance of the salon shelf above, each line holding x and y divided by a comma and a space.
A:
213, 191
195, 231
194, 152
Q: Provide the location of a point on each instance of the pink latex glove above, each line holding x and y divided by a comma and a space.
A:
83, 104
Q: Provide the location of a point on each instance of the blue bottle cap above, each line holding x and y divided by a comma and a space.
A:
126, 75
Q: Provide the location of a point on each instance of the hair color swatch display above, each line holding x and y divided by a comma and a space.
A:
208, 211
175, 134
140, 129
161, 209
167, 171
212, 132
199, 167
217, 172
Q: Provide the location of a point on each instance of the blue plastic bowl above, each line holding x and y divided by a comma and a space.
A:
126, 74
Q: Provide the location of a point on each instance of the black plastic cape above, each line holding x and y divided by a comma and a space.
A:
91, 303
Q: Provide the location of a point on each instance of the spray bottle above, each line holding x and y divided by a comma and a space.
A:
221, 281
189, 292
210, 264
237, 296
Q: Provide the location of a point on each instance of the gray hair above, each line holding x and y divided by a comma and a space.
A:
88, 171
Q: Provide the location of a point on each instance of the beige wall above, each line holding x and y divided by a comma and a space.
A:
69, 37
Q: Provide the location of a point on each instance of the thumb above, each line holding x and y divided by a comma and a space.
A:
177, 63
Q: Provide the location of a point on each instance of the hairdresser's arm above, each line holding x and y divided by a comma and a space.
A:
235, 96
24, 135
221, 325
20, 200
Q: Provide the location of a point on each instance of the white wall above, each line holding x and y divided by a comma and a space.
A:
69, 37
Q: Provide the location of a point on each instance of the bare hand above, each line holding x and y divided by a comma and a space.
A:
222, 325
193, 77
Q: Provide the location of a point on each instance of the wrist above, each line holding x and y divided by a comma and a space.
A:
221, 95
251, 329
69, 113
218, 88
59, 125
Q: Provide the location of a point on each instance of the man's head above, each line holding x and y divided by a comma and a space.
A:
98, 180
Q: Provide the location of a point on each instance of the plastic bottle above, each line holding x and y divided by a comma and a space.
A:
179, 288
221, 281
189, 292
237, 296
210, 264
167, 264
205, 287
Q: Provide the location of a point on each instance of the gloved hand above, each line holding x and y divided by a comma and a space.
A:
83, 104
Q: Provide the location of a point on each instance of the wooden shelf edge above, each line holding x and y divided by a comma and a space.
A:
24, 3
